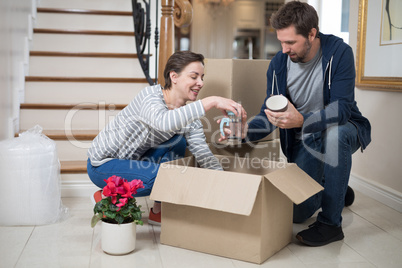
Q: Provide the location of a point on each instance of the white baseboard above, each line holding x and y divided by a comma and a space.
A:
78, 189
379, 192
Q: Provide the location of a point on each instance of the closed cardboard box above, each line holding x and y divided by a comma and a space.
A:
244, 212
241, 80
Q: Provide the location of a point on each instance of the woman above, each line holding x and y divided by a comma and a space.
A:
155, 128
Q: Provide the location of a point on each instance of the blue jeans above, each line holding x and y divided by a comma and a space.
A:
327, 158
145, 169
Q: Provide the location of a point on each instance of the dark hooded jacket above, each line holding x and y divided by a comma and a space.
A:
339, 99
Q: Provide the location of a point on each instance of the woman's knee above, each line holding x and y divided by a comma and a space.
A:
180, 144
96, 179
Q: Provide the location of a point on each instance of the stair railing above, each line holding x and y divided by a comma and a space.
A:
142, 35
174, 12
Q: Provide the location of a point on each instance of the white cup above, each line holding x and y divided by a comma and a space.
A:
277, 103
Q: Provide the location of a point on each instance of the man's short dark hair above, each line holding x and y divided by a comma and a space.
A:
301, 15
177, 62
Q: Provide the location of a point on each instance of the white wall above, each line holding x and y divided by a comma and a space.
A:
15, 28
379, 169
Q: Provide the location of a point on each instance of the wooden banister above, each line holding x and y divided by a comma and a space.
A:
174, 12
166, 47
183, 13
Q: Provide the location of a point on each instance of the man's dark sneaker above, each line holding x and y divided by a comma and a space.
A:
349, 197
320, 234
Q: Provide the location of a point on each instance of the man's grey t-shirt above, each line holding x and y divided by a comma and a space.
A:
305, 85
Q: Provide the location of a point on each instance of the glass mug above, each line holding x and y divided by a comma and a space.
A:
235, 126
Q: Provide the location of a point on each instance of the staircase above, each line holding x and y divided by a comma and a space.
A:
83, 70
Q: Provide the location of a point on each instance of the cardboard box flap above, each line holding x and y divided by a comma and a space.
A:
217, 190
294, 183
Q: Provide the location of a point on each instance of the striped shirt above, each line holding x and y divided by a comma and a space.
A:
146, 123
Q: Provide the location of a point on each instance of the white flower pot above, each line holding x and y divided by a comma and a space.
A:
118, 239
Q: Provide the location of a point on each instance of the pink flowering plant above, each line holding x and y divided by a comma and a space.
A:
118, 206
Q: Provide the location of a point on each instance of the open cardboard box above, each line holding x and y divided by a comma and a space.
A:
268, 150
244, 212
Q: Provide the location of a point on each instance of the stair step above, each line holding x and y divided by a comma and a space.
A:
73, 134
71, 145
65, 106
89, 32
84, 22
73, 167
55, 117
82, 54
83, 11
84, 67
70, 150
84, 79
115, 5
78, 92
83, 43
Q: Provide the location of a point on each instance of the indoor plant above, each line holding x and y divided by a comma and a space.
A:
119, 213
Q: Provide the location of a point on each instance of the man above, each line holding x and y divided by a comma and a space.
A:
322, 126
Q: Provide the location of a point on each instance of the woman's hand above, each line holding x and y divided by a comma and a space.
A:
222, 104
228, 132
243, 121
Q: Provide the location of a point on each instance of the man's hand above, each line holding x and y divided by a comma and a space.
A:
291, 118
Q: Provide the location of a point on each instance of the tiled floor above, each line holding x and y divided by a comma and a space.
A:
373, 238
